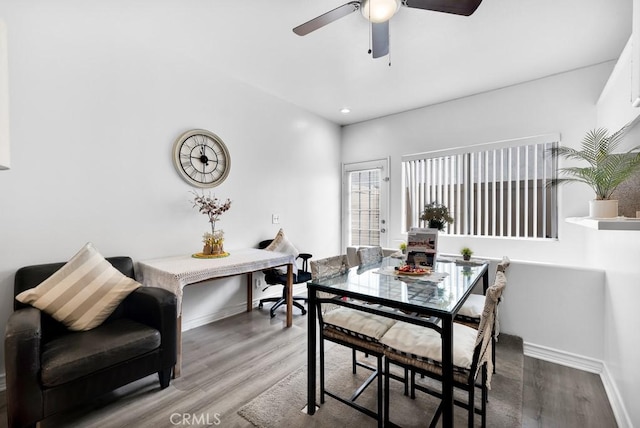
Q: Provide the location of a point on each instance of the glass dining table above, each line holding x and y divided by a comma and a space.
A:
428, 300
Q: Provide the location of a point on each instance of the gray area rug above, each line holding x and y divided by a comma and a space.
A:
283, 403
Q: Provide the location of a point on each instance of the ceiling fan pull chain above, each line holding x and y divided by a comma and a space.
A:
370, 37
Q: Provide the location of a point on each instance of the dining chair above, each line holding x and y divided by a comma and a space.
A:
369, 255
352, 328
419, 350
352, 254
471, 310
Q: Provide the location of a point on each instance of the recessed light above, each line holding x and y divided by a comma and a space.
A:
345, 110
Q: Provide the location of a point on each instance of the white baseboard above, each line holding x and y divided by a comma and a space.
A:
617, 405
237, 309
563, 358
591, 365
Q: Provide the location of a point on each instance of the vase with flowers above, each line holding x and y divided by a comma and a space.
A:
436, 215
213, 208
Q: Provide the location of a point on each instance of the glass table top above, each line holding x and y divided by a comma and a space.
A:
439, 291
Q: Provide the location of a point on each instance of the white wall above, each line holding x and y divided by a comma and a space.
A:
97, 99
617, 252
5, 152
557, 299
615, 103
563, 104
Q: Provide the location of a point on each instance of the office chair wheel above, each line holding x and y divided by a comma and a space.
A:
260, 305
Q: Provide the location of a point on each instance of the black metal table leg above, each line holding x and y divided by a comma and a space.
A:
447, 372
311, 351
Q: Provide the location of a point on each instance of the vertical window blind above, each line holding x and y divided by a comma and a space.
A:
497, 189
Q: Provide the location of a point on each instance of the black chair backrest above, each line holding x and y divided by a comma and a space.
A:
264, 244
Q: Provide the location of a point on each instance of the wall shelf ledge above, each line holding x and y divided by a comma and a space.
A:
617, 223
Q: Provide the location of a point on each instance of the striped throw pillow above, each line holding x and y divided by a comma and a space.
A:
83, 292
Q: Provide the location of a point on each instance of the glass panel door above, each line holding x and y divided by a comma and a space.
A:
364, 203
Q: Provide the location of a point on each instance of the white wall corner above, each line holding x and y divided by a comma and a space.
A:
619, 70
616, 104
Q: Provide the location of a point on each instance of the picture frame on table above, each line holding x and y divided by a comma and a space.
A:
422, 246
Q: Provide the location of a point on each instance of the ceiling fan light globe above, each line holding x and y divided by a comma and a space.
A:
379, 10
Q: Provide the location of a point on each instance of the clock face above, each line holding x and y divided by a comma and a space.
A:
201, 158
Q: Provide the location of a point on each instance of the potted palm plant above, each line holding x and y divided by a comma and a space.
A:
605, 171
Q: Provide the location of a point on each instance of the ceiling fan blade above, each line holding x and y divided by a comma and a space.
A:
380, 39
326, 18
458, 7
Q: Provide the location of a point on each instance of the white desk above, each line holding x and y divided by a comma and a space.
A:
175, 273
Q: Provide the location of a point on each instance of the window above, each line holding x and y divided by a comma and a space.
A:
497, 189
365, 203
364, 208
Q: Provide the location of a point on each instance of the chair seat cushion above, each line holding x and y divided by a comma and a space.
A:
359, 323
353, 341
74, 355
275, 277
473, 306
424, 343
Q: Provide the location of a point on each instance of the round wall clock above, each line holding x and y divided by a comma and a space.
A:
201, 158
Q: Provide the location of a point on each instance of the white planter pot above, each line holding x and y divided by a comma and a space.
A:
606, 208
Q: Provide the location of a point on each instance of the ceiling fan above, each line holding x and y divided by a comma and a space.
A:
378, 12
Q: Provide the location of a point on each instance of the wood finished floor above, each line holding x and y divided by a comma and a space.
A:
228, 363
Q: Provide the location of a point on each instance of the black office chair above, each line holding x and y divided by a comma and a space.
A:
274, 277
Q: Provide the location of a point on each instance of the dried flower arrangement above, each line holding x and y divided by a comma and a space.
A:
213, 208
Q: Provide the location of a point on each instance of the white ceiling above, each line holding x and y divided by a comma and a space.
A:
435, 57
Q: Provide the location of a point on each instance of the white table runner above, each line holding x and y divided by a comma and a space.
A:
174, 273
